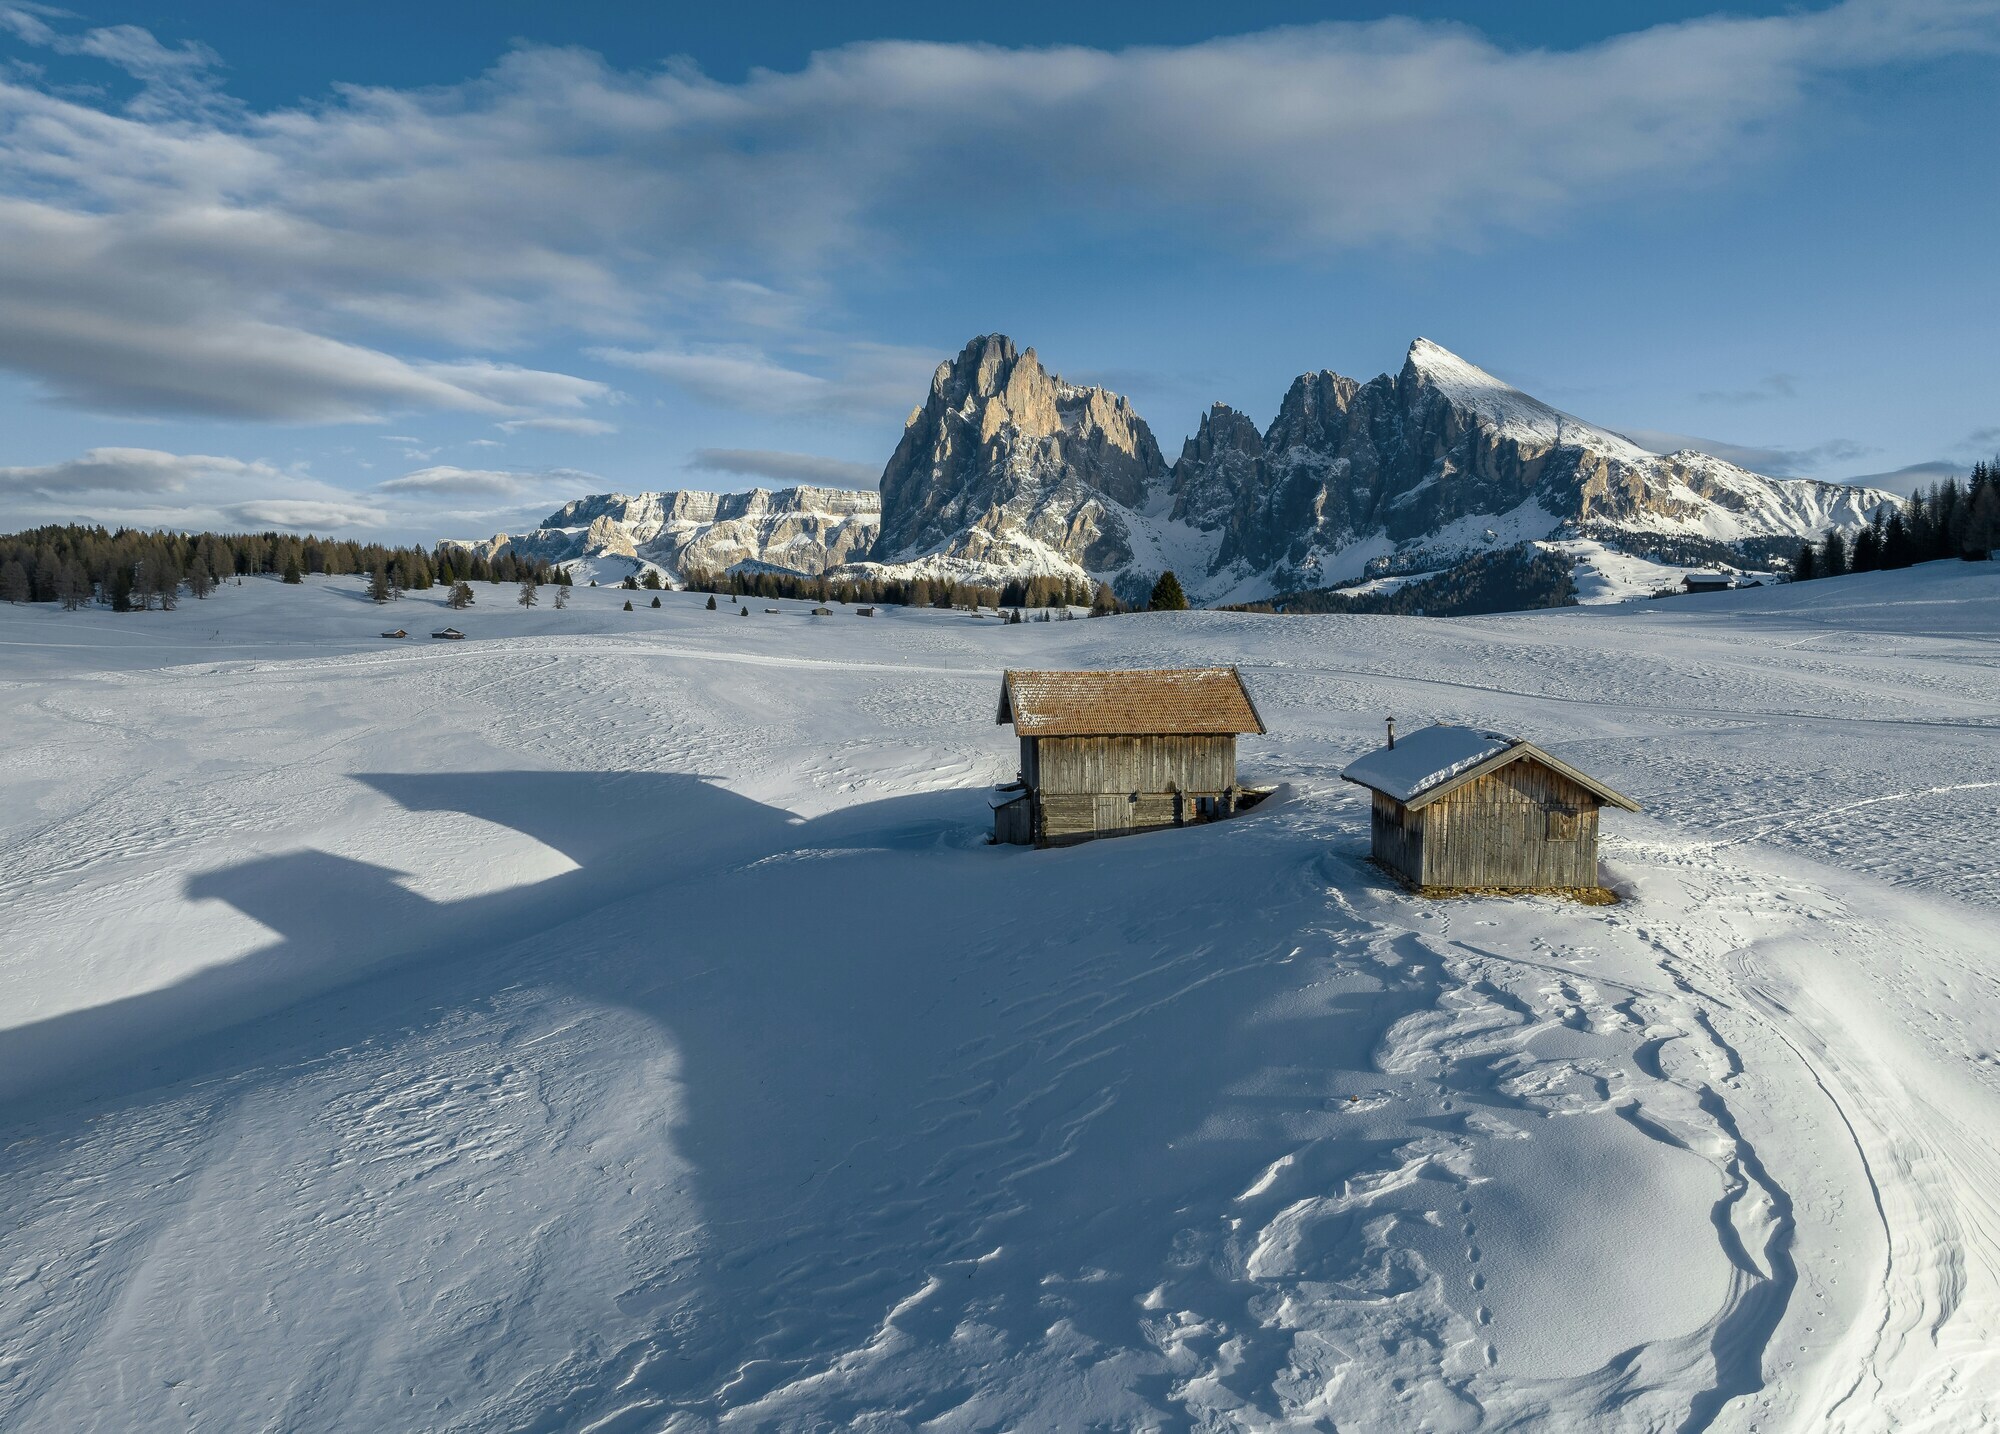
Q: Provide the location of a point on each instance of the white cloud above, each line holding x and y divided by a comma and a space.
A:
580, 427
332, 263
805, 468
443, 481
129, 471
303, 514
866, 380
447, 480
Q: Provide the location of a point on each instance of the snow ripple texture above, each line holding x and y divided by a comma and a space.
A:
616, 1022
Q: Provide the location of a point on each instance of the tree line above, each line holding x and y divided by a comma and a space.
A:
132, 569
1943, 521
1035, 592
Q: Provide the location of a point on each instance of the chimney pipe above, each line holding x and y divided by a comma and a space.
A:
1392, 734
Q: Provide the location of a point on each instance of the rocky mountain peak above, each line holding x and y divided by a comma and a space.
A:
1218, 467
1004, 456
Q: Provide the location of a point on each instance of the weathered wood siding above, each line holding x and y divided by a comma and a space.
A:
1014, 824
1093, 765
1088, 787
1398, 837
1522, 826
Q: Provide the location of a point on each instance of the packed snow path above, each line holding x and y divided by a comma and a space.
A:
616, 1022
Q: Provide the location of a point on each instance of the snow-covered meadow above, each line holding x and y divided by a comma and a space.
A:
617, 1021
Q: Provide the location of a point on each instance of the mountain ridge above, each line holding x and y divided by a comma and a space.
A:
1005, 470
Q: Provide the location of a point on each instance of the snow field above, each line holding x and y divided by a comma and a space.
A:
617, 1022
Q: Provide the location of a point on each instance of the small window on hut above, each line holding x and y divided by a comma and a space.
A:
1565, 823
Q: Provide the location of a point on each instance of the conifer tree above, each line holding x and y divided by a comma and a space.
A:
378, 584
628, 604
293, 573
14, 583
1833, 555
562, 596
1805, 567
656, 602
1167, 594
711, 602
527, 597
461, 595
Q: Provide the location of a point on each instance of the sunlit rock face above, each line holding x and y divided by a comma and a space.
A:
805, 530
1004, 463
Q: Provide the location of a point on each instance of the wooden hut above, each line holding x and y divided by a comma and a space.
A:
1112, 753
1460, 810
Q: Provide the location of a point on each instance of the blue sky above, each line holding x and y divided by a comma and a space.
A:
429, 270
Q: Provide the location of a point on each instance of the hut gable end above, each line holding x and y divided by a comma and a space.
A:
1455, 809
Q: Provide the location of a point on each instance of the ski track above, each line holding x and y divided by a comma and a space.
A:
754, 1092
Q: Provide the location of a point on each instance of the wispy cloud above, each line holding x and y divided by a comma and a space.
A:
1765, 390
306, 514
577, 427
1777, 462
806, 468
366, 255
131, 470
866, 380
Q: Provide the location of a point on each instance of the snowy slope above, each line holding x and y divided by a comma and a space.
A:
616, 1021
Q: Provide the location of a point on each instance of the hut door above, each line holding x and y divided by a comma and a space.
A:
1111, 814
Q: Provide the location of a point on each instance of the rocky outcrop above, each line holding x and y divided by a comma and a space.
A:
1005, 465
804, 530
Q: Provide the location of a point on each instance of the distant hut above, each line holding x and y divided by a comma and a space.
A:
450, 633
864, 612
1112, 753
822, 612
1461, 810
1707, 583
399, 632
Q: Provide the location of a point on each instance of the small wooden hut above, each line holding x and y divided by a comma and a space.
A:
1461, 810
1113, 753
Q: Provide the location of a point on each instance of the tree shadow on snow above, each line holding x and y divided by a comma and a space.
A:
902, 1051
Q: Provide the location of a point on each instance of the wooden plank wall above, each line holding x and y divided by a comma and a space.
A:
1397, 837
1079, 765
1111, 786
1014, 824
1496, 831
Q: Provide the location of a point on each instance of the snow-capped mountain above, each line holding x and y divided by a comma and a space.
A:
1006, 471
1442, 460
806, 530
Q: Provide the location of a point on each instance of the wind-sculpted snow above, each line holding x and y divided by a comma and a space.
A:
617, 1022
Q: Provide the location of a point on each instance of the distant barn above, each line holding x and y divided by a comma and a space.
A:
1707, 583
1112, 753
1457, 809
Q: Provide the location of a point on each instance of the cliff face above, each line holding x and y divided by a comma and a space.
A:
1006, 465
807, 530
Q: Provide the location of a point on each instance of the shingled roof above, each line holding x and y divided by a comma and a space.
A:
1183, 701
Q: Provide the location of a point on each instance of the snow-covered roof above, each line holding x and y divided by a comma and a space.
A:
1186, 701
1425, 765
1424, 759
1005, 796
